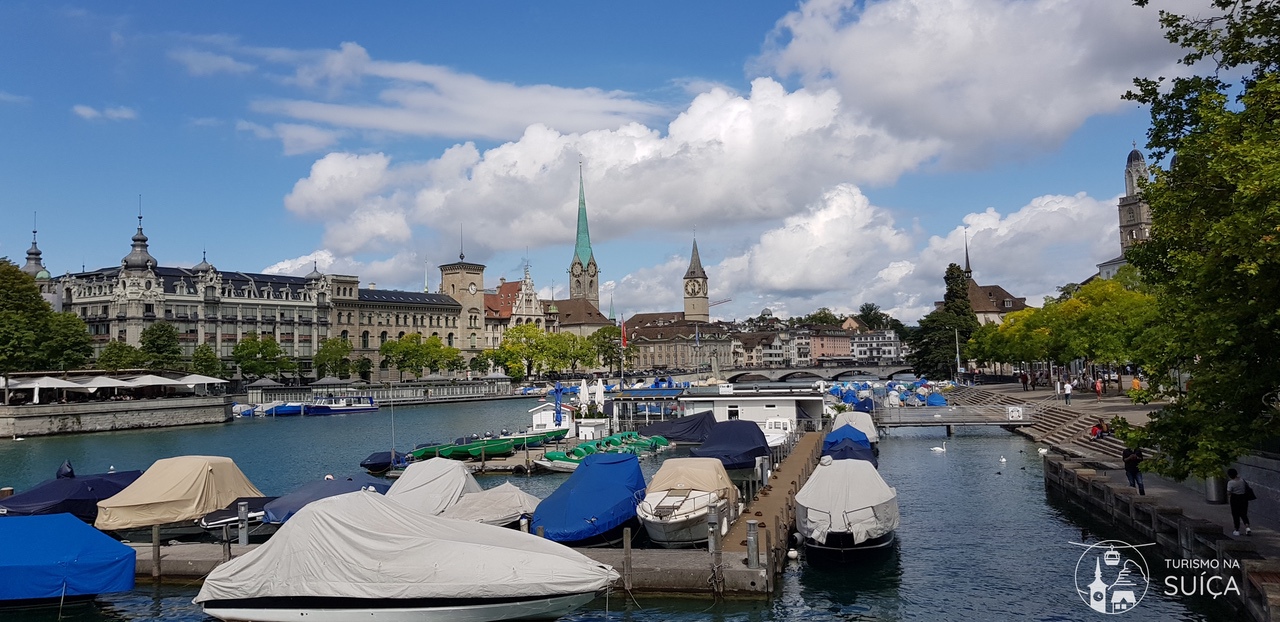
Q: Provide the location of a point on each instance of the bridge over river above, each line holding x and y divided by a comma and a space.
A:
829, 374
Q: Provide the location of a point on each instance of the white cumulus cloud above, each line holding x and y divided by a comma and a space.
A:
114, 113
202, 63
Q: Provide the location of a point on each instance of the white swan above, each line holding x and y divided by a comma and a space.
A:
1002, 460
1043, 450
940, 449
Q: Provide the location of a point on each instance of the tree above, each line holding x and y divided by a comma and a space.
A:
66, 344
23, 318
1213, 256
607, 343
260, 356
205, 361
933, 347
823, 316
119, 355
364, 368
330, 355
524, 343
159, 344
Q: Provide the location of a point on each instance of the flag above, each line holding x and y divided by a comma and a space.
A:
624, 333
558, 392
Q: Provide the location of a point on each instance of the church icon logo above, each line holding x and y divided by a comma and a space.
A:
1112, 576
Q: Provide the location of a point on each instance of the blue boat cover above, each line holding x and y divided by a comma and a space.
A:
936, 399
688, 429
74, 495
849, 449
380, 460
735, 443
601, 494
43, 555
281, 509
846, 432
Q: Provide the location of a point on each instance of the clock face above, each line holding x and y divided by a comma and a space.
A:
691, 288
591, 270
577, 269
471, 288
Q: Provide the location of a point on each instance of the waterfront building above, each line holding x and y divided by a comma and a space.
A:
990, 303
878, 347
369, 317
1134, 213
828, 343
516, 303
757, 349
684, 339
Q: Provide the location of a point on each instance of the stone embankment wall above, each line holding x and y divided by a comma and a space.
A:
40, 420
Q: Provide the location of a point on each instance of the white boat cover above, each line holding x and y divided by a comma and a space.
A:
364, 545
705, 474
432, 486
846, 496
496, 506
860, 421
175, 489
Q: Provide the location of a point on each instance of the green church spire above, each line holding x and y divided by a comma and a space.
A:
583, 248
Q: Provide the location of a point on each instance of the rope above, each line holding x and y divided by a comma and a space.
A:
62, 599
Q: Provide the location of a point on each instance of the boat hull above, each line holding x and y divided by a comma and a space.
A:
423, 610
558, 466
313, 410
839, 549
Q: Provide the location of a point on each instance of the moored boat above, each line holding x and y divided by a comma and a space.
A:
845, 512
174, 493
374, 570
502, 506
281, 509
379, 462
56, 558
340, 405
678, 498
434, 485
595, 504
736, 443
74, 494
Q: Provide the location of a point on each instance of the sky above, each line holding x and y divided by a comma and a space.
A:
826, 153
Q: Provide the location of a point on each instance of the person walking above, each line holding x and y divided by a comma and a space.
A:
1132, 458
1066, 393
1097, 388
1239, 494
1025, 380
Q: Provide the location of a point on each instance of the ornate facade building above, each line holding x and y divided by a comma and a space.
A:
35, 267
516, 303
683, 340
1134, 213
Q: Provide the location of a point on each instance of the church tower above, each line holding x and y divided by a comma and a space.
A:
583, 272
1135, 215
696, 305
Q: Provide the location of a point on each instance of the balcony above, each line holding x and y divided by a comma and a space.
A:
229, 317
249, 318
188, 337
230, 338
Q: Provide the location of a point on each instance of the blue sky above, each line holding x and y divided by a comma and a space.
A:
828, 153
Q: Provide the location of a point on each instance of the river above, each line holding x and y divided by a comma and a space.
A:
979, 539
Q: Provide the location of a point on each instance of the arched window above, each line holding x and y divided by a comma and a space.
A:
473, 341
450, 343
382, 338
401, 335
1131, 218
364, 339
346, 337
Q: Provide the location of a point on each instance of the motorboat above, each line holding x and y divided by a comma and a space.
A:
478, 449
736, 443
340, 405
681, 493
230, 517
434, 485
860, 421
280, 510
687, 429
280, 409
363, 556
70, 493
778, 430
502, 506
379, 462
174, 493
845, 512
595, 504
57, 558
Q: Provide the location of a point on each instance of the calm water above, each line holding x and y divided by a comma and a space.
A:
978, 541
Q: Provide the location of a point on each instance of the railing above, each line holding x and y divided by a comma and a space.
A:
955, 415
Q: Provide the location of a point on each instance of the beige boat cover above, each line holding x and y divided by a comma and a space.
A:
496, 506
175, 489
432, 486
706, 474
860, 421
846, 496
365, 545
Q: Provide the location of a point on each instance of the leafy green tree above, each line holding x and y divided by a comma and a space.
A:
480, 363
330, 355
159, 344
607, 343
933, 348
524, 343
260, 356
205, 361
66, 344
823, 316
23, 319
364, 368
1214, 252
117, 355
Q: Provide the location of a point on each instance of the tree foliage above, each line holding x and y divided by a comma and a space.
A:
1214, 252
117, 355
205, 361
524, 344
331, 357
32, 336
933, 346
159, 345
261, 356
66, 343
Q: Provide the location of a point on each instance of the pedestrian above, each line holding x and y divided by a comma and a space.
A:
1132, 458
1066, 393
1025, 380
1137, 384
1239, 494
1097, 388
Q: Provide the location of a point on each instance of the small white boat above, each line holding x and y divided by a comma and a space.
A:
777, 430
677, 500
558, 466
845, 512
340, 405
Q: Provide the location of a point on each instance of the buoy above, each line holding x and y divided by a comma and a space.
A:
793, 554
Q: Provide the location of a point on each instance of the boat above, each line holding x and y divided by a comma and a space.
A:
174, 493
736, 443
55, 558
426, 451
230, 517
860, 421
280, 409
434, 485
848, 443
280, 510
595, 504
502, 506
687, 429
778, 430
681, 493
70, 493
340, 405
379, 462
362, 556
486, 447
845, 513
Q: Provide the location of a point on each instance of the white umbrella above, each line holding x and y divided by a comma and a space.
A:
199, 379
103, 382
599, 391
584, 395
152, 380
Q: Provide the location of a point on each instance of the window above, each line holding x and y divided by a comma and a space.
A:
364, 339
733, 411
1008, 304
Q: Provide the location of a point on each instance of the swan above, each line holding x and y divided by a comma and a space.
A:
1043, 450
940, 449
1002, 460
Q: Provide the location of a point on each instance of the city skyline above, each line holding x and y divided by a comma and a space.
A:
831, 155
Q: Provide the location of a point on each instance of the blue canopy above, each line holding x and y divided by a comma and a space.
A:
59, 555
688, 429
281, 509
845, 432
865, 405
75, 495
601, 494
936, 399
736, 443
849, 449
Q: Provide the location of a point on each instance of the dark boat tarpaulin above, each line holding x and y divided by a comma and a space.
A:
59, 555
74, 495
601, 494
846, 432
849, 449
688, 429
735, 443
281, 509
936, 399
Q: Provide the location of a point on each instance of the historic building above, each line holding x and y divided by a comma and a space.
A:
516, 303
990, 303
35, 267
580, 313
1134, 213
696, 302
878, 347
828, 344
686, 339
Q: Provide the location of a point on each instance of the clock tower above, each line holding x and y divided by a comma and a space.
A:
696, 306
584, 275
464, 282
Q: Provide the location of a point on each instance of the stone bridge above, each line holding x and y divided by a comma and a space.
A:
829, 374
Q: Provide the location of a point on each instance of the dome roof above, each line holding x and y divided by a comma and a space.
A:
315, 274
1135, 156
43, 275
203, 266
138, 258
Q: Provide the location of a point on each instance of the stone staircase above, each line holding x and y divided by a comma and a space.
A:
1066, 429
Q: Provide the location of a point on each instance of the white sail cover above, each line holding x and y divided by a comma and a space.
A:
175, 489
860, 421
705, 474
846, 496
433, 485
364, 545
496, 506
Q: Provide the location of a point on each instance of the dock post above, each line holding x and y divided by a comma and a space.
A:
242, 509
524, 524
714, 542
713, 527
753, 544
626, 558
155, 551
482, 469
951, 431
768, 562
226, 543
6, 492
